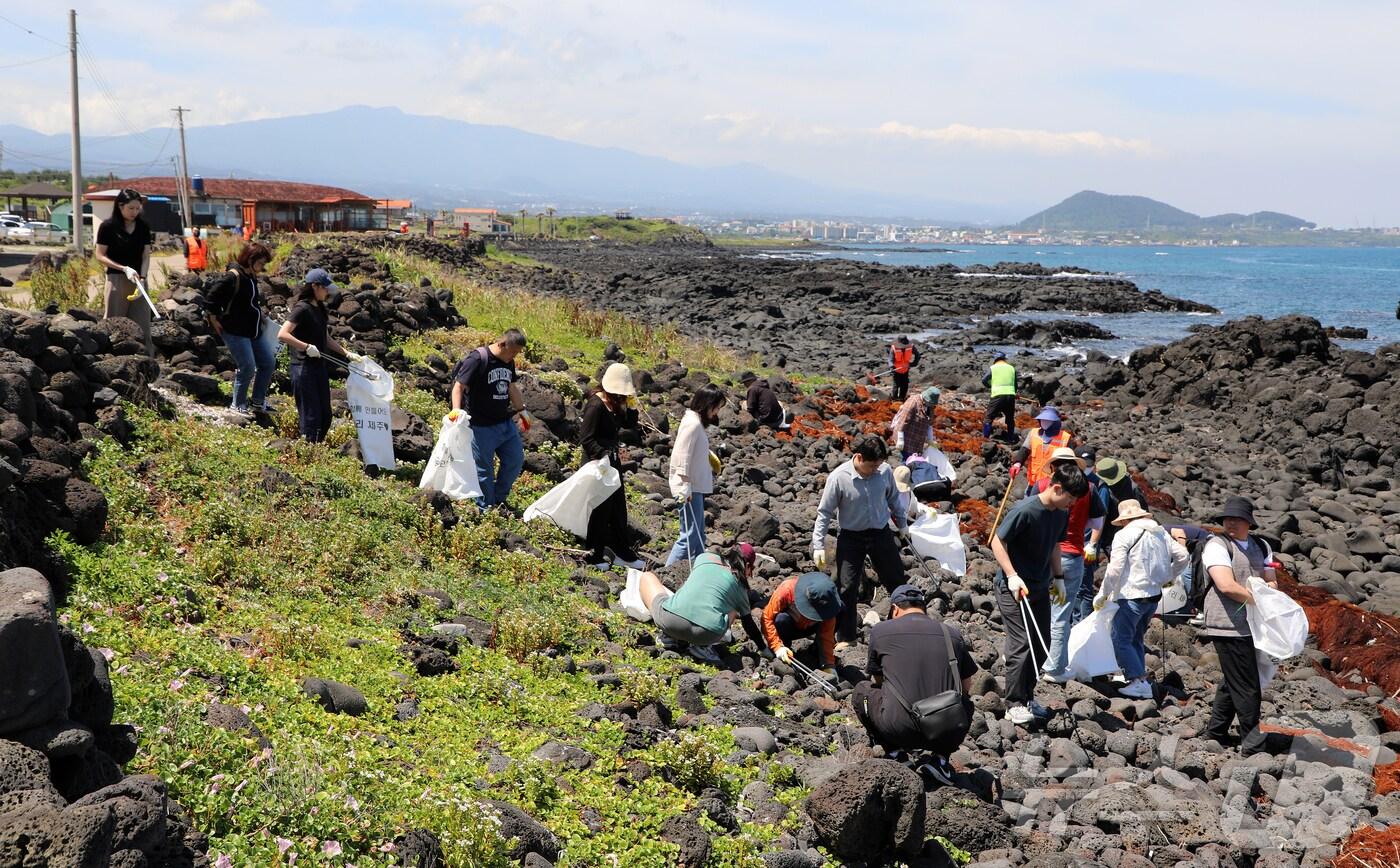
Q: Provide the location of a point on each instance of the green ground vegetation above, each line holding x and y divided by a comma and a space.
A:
635, 230
230, 572
760, 242
494, 254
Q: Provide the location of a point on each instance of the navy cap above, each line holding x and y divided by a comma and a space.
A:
319, 277
908, 597
815, 597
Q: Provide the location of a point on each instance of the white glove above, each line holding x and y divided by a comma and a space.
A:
1016, 586
312, 352
684, 494
871, 618
354, 357
819, 558
784, 654
1091, 553
899, 440
1057, 592
1100, 601
131, 274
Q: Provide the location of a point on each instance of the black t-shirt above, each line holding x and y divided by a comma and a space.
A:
308, 321
909, 653
487, 381
130, 249
1031, 533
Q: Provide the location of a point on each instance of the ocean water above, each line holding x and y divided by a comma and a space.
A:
1339, 286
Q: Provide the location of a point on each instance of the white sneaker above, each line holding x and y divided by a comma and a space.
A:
1052, 678
1137, 689
1198, 620
1118, 678
1019, 715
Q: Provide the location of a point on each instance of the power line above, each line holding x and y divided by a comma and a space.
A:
106, 91
31, 32
31, 62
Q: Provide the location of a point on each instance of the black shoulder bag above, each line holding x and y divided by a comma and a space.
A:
943, 713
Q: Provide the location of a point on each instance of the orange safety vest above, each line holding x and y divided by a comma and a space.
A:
903, 358
196, 253
1040, 454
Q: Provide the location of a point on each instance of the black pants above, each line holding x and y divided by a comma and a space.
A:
1238, 695
607, 526
901, 385
852, 548
1021, 670
1005, 407
869, 704
311, 386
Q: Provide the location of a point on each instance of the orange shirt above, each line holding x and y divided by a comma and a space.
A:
782, 601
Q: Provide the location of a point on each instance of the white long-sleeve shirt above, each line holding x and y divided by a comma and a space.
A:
1144, 558
690, 457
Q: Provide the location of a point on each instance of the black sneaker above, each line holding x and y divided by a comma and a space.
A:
938, 771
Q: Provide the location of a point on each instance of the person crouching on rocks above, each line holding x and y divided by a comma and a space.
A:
699, 614
692, 471
804, 606
306, 333
236, 314
1229, 562
609, 410
762, 402
1144, 560
861, 496
1026, 547
914, 656
912, 426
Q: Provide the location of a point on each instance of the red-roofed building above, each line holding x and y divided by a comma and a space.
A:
288, 206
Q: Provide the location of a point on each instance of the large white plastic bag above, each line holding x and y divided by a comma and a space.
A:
571, 502
1173, 599
933, 455
369, 389
938, 536
1091, 645
1278, 624
631, 598
452, 467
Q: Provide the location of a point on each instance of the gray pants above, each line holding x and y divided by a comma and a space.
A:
115, 304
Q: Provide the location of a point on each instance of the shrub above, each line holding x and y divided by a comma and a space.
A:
523, 632
690, 761
68, 286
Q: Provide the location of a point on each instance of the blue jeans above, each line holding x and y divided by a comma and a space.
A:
1187, 578
1084, 606
256, 361
1058, 658
1130, 624
490, 442
691, 543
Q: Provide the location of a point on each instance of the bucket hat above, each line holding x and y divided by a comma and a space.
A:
617, 380
931, 395
1064, 453
1110, 470
1238, 507
815, 598
1049, 414
902, 475
1130, 510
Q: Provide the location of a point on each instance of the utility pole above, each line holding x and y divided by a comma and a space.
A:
185, 193
77, 143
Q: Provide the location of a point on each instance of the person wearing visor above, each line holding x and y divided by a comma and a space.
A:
306, 332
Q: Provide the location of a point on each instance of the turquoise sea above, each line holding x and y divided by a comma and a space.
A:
1351, 286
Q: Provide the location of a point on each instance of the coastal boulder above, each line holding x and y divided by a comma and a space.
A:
870, 811
38, 691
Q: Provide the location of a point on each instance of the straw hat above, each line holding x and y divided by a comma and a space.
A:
902, 475
1130, 510
617, 380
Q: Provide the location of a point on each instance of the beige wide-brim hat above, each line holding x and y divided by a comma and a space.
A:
1064, 453
902, 475
617, 380
1130, 510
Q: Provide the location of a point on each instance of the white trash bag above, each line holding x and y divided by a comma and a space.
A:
571, 502
934, 456
1173, 600
369, 389
452, 467
1276, 621
938, 536
1091, 645
631, 598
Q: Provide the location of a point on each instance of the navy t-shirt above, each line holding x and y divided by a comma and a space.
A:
1031, 533
308, 321
487, 380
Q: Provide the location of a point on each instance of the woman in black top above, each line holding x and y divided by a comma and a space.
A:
610, 409
305, 331
124, 246
236, 315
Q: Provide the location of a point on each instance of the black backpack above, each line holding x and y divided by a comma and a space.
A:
457, 368
1200, 577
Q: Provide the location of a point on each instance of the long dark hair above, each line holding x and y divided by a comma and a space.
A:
307, 293
705, 400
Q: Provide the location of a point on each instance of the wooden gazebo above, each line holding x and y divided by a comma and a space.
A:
37, 190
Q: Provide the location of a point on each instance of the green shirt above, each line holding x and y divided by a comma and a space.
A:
709, 595
1003, 379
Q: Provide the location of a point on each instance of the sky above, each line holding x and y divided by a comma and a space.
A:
1246, 106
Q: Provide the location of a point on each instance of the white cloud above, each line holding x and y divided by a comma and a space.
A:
1007, 138
232, 11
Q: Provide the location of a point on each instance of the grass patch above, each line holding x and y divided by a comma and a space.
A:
635, 230
506, 257
232, 572
758, 241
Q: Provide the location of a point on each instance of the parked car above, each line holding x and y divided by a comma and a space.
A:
48, 233
16, 232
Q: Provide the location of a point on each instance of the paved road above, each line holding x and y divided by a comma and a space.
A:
14, 257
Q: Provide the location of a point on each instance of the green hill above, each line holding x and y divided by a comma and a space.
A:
1090, 211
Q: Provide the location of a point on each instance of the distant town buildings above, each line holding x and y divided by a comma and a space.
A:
232, 203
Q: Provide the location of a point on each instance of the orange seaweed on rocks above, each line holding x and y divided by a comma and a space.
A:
977, 517
1158, 500
1369, 847
1349, 635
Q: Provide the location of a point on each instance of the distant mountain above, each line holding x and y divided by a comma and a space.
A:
439, 162
1089, 211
